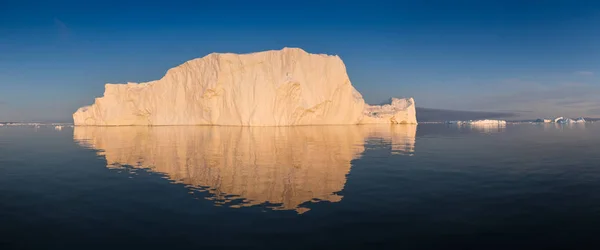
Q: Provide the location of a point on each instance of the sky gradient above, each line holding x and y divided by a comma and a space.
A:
536, 58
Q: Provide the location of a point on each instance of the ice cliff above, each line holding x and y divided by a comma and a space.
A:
270, 88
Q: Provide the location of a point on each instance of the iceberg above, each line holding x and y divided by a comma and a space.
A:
488, 122
563, 120
479, 122
398, 111
270, 88
486, 126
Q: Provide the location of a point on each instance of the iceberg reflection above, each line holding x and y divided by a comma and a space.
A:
283, 167
489, 128
482, 128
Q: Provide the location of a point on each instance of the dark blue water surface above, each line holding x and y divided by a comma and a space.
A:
429, 186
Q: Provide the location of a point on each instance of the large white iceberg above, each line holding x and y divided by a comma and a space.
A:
270, 88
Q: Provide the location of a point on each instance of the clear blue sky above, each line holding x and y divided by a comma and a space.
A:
541, 58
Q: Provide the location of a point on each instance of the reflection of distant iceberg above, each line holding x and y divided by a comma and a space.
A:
245, 166
489, 128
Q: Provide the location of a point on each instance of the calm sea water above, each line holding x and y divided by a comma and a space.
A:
398, 187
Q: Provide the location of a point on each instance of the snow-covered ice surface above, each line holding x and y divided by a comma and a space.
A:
271, 88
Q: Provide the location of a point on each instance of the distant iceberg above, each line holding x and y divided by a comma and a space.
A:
398, 111
479, 122
563, 120
485, 126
